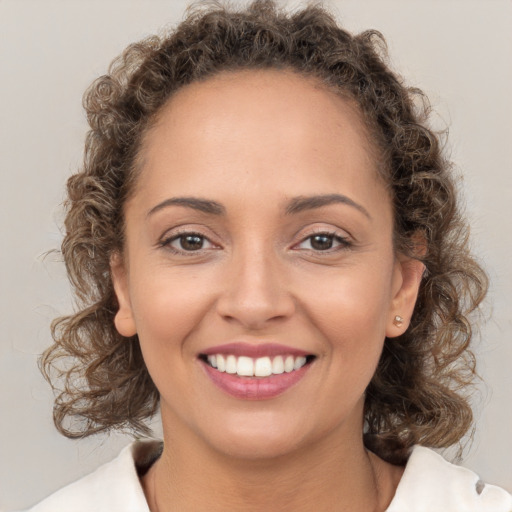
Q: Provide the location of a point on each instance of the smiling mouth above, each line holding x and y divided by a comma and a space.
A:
266, 366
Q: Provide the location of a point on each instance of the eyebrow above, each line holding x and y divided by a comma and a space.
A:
302, 203
296, 205
202, 205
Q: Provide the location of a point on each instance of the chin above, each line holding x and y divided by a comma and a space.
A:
257, 446
258, 437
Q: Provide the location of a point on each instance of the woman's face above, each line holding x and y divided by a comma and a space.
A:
259, 239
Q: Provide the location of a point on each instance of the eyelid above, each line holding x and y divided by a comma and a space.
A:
317, 229
191, 228
344, 239
175, 233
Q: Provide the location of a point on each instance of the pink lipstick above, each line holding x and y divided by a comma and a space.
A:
255, 372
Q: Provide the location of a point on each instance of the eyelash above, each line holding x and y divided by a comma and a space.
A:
344, 242
166, 242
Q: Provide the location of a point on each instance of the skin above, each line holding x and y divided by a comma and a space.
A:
253, 141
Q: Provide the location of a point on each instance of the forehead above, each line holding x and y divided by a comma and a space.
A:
268, 96
273, 129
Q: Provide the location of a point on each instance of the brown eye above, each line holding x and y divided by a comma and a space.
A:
321, 242
191, 242
187, 242
324, 242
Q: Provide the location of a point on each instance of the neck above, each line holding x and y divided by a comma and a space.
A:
330, 475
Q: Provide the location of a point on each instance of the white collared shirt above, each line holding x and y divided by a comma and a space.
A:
429, 484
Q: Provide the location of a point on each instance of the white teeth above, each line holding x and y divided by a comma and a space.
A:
221, 363
245, 366
278, 365
261, 367
299, 363
231, 364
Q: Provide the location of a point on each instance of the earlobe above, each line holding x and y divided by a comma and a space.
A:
410, 272
123, 320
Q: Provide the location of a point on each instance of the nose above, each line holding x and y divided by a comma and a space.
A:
255, 293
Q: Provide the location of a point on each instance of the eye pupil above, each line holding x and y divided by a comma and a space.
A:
191, 242
321, 242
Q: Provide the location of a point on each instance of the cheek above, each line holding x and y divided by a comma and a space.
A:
354, 333
167, 312
350, 299
350, 310
167, 307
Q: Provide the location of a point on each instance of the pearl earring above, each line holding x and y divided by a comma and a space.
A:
398, 321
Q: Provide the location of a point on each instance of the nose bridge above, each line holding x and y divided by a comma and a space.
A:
256, 290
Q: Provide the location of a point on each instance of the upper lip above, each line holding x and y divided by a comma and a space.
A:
254, 350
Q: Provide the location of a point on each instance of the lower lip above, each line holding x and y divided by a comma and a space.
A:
255, 388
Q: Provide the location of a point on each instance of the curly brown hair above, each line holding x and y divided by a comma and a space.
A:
419, 393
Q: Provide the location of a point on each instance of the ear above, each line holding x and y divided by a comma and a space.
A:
406, 284
124, 321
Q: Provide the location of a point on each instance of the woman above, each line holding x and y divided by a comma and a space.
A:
265, 244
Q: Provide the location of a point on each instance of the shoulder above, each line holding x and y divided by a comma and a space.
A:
432, 484
113, 486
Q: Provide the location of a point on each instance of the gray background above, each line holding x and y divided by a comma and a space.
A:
458, 51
